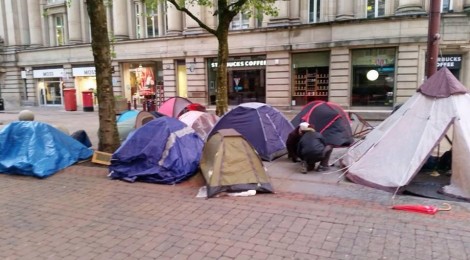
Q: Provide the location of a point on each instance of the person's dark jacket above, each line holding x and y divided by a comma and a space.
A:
311, 144
291, 143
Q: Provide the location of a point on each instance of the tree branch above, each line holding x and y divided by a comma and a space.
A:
186, 11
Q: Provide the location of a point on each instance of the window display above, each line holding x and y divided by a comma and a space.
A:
373, 77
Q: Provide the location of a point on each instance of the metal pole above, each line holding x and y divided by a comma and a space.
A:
433, 37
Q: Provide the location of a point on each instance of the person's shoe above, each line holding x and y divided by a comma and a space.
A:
322, 168
296, 160
303, 167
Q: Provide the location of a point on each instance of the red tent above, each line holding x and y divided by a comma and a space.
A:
329, 119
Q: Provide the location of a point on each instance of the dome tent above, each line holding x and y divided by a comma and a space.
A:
329, 119
263, 126
230, 164
164, 151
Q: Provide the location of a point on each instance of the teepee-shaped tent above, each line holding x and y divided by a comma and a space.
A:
230, 164
394, 151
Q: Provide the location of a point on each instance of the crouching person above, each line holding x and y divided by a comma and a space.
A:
291, 144
312, 148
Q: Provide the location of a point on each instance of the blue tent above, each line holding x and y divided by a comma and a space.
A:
37, 149
265, 127
164, 151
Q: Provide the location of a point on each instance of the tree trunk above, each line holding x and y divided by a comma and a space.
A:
107, 134
222, 88
222, 58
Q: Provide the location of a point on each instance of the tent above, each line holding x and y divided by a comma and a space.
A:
164, 151
359, 126
38, 149
125, 123
395, 150
129, 114
172, 107
201, 122
144, 117
265, 128
329, 119
125, 128
230, 164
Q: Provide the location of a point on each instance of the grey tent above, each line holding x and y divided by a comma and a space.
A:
230, 164
395, 150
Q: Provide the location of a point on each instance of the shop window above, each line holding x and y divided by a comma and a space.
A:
373, 77
246, 80
310, 77
314, 11
447, 6
146, 80
375, 8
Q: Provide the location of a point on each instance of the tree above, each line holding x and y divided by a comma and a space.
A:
225, 10
107, 134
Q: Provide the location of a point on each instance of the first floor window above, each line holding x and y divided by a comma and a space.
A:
314, 11
375, 8
373, 77
240, 21
447, 6
152, 23
55, 1
59, 29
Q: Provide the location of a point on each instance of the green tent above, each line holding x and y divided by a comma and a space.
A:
230, 164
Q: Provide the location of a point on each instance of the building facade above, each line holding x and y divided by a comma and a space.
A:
361, 54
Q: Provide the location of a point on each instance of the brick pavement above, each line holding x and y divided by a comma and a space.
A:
79, 213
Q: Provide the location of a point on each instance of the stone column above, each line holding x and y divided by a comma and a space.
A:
73, 20
120, 20
51, 33
283, 17
9, 23
34, 19
345, 10
161, 19
175, 20
466, 6
209, 17
192, 26
295, 11
409, 6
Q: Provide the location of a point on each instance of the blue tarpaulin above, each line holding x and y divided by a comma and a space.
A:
38, 149
164, 151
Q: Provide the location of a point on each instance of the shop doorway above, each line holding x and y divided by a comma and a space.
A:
182, 85
50, 93
246, 86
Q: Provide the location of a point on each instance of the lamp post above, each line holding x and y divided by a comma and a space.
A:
433, 37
